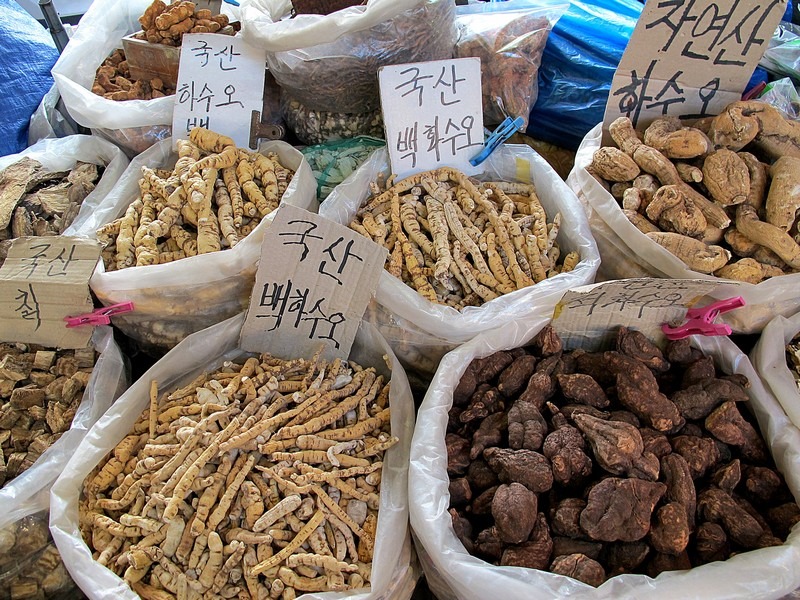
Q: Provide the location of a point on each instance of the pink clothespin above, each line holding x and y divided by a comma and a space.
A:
701, 320
100, 316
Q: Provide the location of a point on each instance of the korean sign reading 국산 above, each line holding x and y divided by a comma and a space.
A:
43, 280
432, 114
220, 82
690, 58
314, 281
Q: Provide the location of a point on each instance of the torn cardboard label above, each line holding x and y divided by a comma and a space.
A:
312, 287
44, 280
690, 58
588, 317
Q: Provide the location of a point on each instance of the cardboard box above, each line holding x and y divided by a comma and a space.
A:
148, 61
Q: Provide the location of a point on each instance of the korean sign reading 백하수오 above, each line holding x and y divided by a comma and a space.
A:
312, 287
690, 58
432, 114
43, 280
220, 82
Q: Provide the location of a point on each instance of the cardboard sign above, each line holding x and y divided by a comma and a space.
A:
432, 114
220, 83
690, 58
587, 318
43, 280
312, 287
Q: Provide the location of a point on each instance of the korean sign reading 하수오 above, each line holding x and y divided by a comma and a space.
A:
220, 82
312, 287
690, 58
432, 114
43, 280
584, 317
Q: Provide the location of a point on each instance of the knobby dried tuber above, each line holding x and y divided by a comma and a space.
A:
462, 243
726, 212
672, 474
258, 476
215, 195
166, 23
40, 390
113, 81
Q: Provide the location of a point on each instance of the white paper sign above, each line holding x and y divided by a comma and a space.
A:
433, 115
587, 318
220, 83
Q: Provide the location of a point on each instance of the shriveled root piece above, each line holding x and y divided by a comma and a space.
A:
697, 255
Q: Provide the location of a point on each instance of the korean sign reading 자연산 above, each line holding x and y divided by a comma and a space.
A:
220, 82
690, 58
312, 287
43, 280
432, 114
584, 317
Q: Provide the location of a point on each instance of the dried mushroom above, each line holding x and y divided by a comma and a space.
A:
595, 464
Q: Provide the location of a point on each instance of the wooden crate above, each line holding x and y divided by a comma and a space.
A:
148, 61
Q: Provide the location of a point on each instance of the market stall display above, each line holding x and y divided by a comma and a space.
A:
711, 201
665, 499
219, 283
235, 453
421, 330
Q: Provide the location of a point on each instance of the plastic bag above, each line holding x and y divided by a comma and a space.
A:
509, 38
26, 548
330, 62
581, 55
61, 154
26, 57
769, 359
626, 252
782, 57
134, 124
453, 573
420, 331
783, 95
50, 119
393, 574
175, 299
318, 127
333, 162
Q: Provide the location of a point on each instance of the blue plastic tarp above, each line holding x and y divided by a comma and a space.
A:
27, 53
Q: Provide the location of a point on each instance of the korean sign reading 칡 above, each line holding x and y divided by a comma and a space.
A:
43, 280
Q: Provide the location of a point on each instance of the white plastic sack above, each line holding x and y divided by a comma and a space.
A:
29, 492
769, 359
393, 575
61, 154
264, 22
626, 252
49, 120
175, 299
100, 32
454, 574
421, 331
329, 63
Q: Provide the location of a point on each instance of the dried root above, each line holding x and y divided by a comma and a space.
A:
462, 243
197, 207
227, 486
